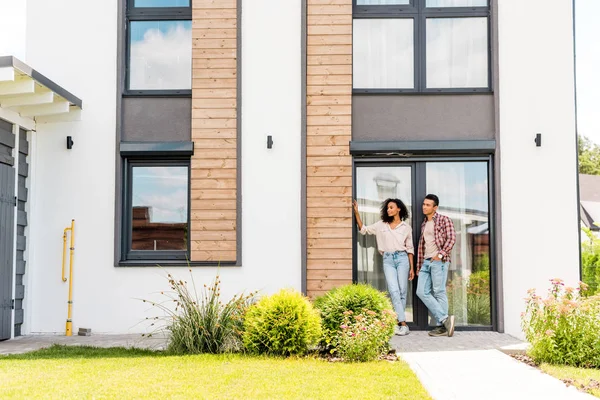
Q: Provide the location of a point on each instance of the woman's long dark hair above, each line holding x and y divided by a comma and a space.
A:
403, 210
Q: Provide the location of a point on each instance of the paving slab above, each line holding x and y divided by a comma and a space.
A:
485, 374
24, 344
420, 341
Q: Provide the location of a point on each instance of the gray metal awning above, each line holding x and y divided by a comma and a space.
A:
28, 98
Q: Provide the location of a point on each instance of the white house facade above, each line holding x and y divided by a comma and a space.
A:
229, 137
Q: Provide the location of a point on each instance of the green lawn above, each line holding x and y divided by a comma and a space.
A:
85, 372
588, 379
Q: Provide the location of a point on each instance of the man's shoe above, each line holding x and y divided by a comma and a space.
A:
402, 330
449, 325
438, 331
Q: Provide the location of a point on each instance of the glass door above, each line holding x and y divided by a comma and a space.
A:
464, 197
463, 188
375, 184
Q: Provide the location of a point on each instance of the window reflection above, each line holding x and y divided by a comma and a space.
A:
457, 3
373, 186
381, 2
463, 191
160, 208
161, 3
457, 53
160, 55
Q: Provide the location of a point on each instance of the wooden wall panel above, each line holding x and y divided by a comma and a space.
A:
328, 133
214, 164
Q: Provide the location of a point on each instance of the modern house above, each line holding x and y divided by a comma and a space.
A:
231, 136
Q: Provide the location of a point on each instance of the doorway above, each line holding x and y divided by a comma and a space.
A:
463, 186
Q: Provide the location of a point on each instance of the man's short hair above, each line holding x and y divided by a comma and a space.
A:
436, 200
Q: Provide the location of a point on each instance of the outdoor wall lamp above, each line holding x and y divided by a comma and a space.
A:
69, 142
538, 140
269, 142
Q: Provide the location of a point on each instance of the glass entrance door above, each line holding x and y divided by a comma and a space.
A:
373, 186
464, 191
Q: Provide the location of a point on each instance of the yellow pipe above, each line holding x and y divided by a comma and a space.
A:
69, 326
64, 254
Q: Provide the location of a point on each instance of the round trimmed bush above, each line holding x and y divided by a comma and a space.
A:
285, 323
355, 298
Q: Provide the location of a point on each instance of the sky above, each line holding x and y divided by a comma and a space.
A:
587, 49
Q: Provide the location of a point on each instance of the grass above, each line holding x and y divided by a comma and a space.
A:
88, 372
582, 378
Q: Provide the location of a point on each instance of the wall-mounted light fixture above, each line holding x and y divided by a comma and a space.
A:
269, 142
538, 139
69, 142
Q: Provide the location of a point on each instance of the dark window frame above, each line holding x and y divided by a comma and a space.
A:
418, 162
127, 230
133, 14
418, 12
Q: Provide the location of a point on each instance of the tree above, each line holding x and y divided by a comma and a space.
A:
589, 156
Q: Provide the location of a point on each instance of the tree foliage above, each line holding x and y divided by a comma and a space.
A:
589, 156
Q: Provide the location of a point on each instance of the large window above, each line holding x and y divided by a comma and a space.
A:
421, 46
463, 187
156, 209
159, 47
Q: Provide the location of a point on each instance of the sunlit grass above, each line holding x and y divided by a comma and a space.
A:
86, 372
588, 379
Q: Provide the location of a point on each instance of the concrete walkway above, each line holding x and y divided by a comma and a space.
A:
473, 365
469, 365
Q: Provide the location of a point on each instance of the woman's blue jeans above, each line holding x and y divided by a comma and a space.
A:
396, 268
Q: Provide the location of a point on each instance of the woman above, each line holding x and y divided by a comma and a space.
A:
394, 242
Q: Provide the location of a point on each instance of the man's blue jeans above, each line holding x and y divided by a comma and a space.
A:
395, 268
431, 288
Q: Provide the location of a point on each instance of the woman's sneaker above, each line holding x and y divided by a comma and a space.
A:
402, 330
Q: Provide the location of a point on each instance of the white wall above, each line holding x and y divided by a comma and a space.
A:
539, 203
74, 43
12, 28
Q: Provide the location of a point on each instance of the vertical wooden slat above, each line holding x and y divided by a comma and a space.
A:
7, 210
328, 133
214, 183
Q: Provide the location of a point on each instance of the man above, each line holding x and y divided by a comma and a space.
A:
436, 242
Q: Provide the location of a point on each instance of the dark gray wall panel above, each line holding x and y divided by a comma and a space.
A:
156, 119
422, 117
23, 195
7, 220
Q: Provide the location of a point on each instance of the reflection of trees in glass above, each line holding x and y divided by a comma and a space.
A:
476, 288
590, 261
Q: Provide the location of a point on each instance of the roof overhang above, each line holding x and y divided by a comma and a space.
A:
28, 98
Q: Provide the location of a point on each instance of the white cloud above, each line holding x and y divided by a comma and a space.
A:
162, 60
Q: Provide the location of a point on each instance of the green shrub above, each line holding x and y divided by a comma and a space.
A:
590, 261
285, 323
357, 298
563, 327
365, 336
202, 324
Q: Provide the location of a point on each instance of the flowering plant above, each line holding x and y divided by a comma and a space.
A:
563, 327
364, 336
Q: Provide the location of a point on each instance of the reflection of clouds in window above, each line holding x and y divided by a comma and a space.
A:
383, 53
457, 3
381, 2
459, 185
160, 55
161, 3
163, 190
457, 52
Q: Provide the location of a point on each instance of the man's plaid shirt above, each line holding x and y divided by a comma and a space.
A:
445, 237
